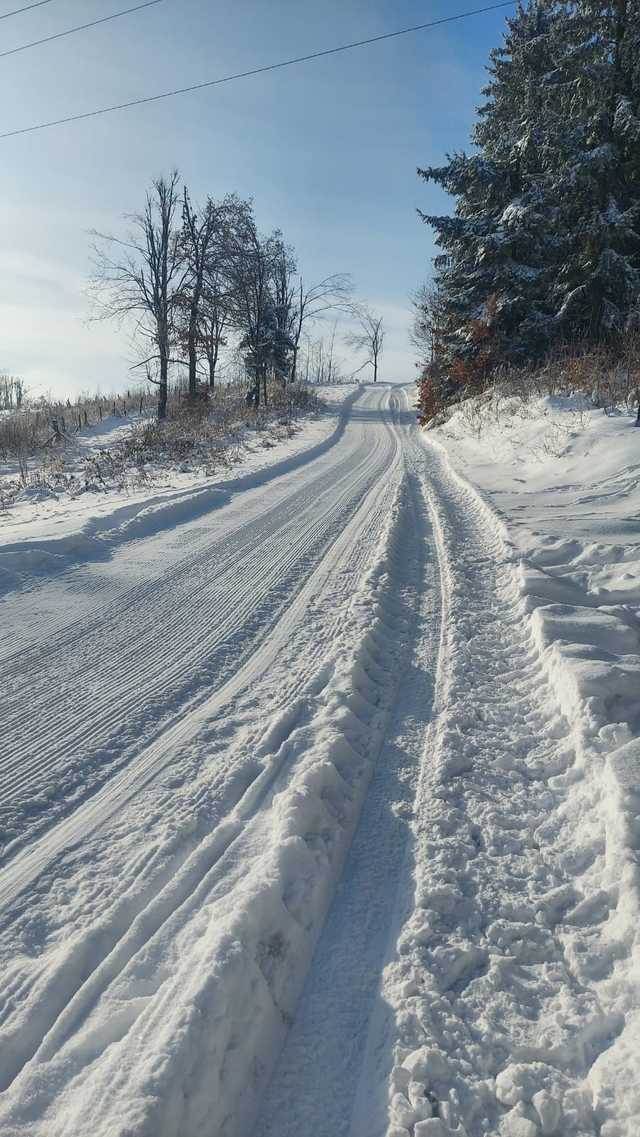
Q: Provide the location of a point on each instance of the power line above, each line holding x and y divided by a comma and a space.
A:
18, 11
255, 70
79, 28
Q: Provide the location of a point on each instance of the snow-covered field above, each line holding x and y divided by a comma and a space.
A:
319, 791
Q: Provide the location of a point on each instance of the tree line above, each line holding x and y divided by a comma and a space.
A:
542, 251
12, 392
196, 280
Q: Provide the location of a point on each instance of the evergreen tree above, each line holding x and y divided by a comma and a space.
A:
544, 243
597, 180
499, 246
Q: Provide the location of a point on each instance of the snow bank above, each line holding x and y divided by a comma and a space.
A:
563, 477
557, 486
557, 470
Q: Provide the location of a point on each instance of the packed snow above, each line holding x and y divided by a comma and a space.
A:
321, 789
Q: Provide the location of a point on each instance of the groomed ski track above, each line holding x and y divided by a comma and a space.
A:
290, 827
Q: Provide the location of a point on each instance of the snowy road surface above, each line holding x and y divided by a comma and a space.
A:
297, 838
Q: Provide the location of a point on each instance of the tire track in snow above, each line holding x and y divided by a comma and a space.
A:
184, 639
116, 952
501, 1016
75, 985
236, 587
257, 945
150, 761
153, 515
315, 1084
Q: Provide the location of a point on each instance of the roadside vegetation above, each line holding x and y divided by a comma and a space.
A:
228, 338
99, 444
198, 287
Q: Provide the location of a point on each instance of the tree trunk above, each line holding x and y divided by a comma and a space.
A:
163, 385
375, 368
212, 355
193, 377
192, 337
294, 365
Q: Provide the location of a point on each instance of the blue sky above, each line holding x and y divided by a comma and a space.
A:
328, 150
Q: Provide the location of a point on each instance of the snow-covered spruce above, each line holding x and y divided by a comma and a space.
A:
542, 246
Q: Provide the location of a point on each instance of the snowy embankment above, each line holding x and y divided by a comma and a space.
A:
516, 987
564, 478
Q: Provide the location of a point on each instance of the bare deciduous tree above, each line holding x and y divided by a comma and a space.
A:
213, 321
251, 269
145, 276
331, 294
428, 322
12, 392
285, 316
193, 286
321, 364
199, 234
369, 338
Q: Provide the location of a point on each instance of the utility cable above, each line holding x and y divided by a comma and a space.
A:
18, 11
78, 28
255, 71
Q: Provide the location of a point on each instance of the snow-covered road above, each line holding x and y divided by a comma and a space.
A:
174, 707
291, 814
